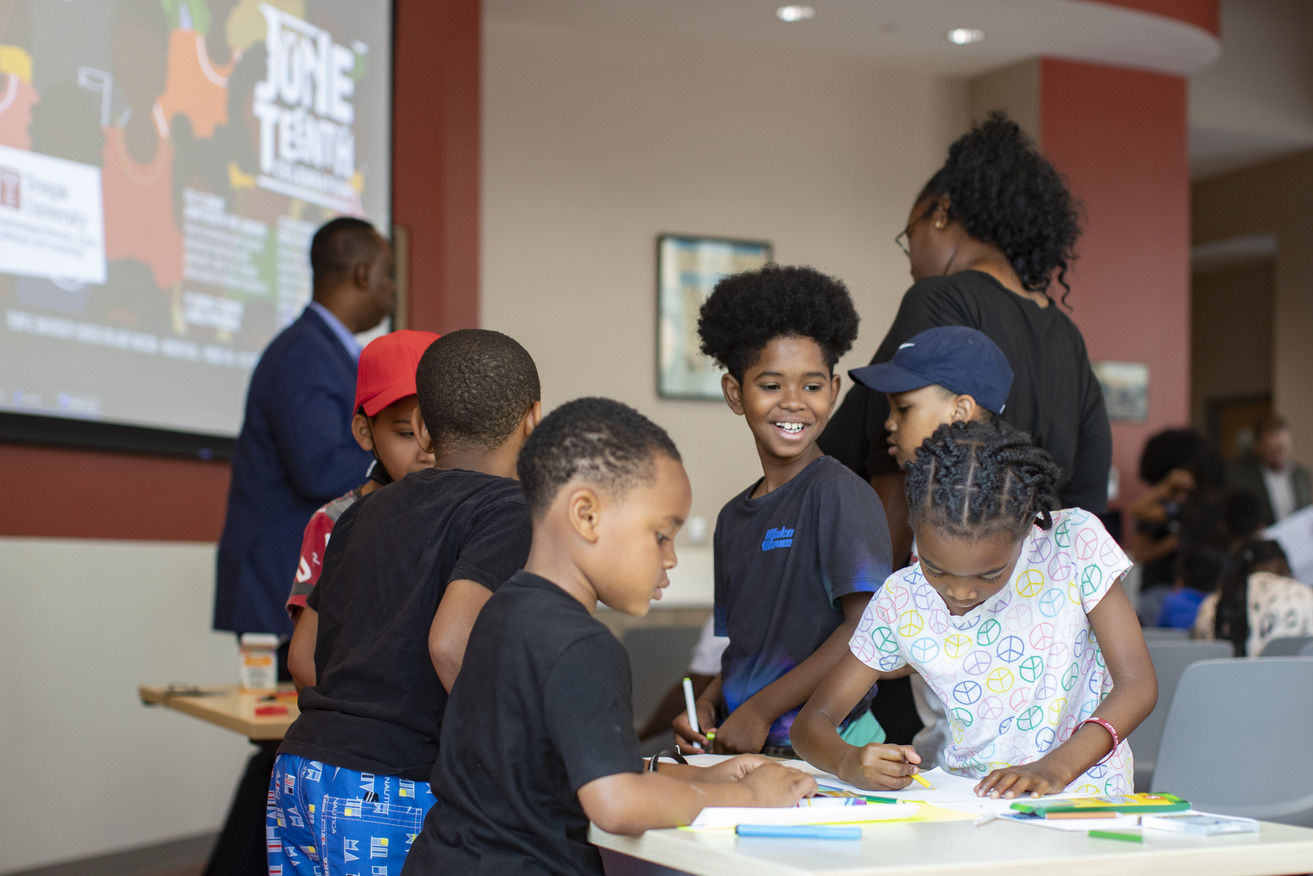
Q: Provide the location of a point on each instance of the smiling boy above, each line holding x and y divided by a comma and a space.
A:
799, 553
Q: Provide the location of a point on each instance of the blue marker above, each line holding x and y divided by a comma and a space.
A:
799, 831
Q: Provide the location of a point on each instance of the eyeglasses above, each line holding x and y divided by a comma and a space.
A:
901, 238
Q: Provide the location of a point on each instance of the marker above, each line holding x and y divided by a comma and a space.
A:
799, 831
921, 780
1122, 835
690, 706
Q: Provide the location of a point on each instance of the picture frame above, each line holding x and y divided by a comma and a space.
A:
688, 268
1125, 390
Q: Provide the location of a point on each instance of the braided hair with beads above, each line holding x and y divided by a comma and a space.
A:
976, 479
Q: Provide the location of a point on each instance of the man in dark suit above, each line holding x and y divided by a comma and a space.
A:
1281, 484
295, 452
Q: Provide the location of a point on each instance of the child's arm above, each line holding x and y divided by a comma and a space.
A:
630, 803
815, 733
452, 622
301, 651
746, 729
1134, 692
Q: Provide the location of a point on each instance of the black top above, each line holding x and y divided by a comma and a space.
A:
782, 561
540, 709
1055, 396
378, 703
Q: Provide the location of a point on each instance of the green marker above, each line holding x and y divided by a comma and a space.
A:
1125, 836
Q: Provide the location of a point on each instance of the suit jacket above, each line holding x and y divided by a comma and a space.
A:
1246, 473
295, 452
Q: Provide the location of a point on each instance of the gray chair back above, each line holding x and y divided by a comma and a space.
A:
1286, 646
1170, 657
1236, 740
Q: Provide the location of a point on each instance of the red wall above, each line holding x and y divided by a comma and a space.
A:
86, 494
1120, 137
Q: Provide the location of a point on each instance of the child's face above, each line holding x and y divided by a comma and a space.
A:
966, 571
786, 396
636, 538
913, 417
393, 439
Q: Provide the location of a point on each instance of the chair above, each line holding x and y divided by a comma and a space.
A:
1165, 634
658, 658
1170, 657
1236, 740
1287, 646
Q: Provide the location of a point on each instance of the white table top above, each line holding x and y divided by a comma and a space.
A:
958, 847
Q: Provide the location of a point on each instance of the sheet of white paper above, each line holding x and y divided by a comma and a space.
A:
1081, 825
729, 816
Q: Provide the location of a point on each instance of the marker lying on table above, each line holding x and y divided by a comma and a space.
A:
799, 831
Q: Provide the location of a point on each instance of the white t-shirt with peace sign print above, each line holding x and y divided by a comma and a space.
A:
1020, 671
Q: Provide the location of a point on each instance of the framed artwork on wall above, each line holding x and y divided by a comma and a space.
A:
688, 268
1125, 390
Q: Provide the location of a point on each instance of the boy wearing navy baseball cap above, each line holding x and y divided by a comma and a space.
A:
945, 374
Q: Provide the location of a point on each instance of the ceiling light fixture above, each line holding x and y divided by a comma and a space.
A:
965, 36
795, 13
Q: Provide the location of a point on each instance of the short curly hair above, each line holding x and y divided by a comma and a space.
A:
1005, 193
747, 311
607, 443
474, 388
975, 479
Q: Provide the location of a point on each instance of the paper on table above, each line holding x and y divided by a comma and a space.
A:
729, 816
1079, 825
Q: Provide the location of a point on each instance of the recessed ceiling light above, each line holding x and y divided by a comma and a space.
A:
965, 36
795, 13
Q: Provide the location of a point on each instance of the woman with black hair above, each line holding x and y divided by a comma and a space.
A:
986, 237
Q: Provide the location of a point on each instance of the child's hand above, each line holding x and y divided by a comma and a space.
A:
776, 785
1031, 778
734, 768
685, 738
744, 732
879, 767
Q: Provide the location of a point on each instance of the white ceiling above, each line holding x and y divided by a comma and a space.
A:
911, 34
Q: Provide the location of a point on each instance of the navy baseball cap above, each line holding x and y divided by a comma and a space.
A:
960, 359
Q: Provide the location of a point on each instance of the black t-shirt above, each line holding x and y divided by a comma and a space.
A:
782, 561
1055, 396
540, 709
378, 703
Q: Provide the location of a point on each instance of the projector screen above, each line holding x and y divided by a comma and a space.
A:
163, 165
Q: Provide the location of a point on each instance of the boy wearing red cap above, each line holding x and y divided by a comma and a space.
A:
385, 403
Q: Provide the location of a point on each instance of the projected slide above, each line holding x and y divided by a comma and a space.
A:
163, 165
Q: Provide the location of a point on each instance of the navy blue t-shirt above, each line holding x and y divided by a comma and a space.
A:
782, 561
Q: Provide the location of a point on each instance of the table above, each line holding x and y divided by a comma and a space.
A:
226, 706
956, 847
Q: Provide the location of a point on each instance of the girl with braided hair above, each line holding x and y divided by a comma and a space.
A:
1014, 615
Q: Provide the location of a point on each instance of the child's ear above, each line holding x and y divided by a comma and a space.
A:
733, 392
532, 418
422, 436
362, 433
584, 510
964, 409
835, 383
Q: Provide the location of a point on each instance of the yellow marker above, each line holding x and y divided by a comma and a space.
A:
921, 780
711, 734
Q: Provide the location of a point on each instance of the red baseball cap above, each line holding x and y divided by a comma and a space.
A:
386, 372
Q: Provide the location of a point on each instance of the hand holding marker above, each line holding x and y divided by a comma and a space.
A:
691, 706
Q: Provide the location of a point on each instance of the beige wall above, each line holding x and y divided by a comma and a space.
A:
1015, 89
592, 149
1273, 199
1231, 309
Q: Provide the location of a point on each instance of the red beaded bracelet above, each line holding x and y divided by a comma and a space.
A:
1116, 740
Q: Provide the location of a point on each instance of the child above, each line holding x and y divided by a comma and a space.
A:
1198, 572
385, 404
799, 553
1257, 601
539, 737
947, 374
407, 571
1014, 615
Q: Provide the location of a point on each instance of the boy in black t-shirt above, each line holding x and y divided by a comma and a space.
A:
799, 553
407, 570
539, 735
